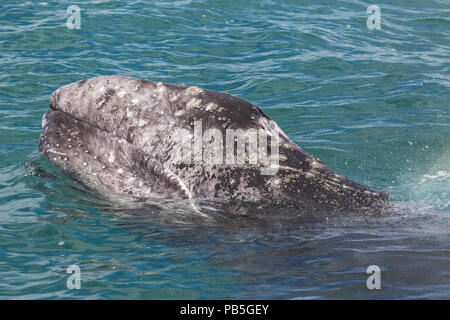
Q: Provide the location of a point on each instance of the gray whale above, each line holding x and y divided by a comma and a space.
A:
131, 136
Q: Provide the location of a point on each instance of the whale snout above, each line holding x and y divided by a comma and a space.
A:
58, 95
53, 100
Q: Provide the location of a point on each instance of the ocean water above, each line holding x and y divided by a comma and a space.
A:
372, 104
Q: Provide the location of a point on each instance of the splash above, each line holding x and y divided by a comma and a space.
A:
429, 191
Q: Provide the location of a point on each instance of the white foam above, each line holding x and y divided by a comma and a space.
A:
440, 175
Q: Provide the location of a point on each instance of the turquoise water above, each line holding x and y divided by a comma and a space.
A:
371, 104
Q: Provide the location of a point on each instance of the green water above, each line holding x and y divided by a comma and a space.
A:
373, 105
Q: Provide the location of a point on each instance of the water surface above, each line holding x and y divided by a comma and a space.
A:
373, 105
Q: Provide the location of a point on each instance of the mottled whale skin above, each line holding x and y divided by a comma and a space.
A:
116, 134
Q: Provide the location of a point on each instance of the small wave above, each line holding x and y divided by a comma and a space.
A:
440, 175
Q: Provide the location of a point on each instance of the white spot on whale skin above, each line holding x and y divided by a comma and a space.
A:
142, 123
211, 106
309, 175
173, 98
194, 90
179, 113
315, 164
194, 103
120, 171
56, 152
276, 182
121, 93
44, 120
161, 88
101, 102
111, 157
135, 101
